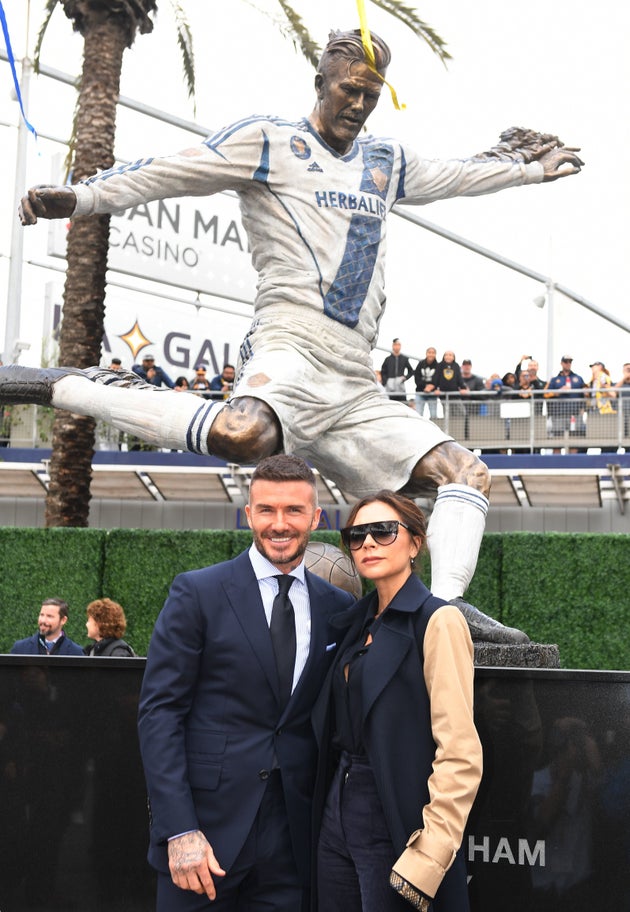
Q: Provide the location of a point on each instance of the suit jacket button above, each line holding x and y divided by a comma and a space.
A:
263, 774
278, 731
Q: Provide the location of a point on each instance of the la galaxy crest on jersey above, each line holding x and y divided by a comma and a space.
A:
300, 147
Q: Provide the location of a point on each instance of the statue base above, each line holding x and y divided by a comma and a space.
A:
523, 655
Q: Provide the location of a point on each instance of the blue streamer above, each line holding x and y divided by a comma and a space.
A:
16, 82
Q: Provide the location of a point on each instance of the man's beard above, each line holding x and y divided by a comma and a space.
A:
292, 555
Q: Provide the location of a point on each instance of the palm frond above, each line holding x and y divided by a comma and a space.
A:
48, 11
139, 14
300, 35
409, 17
185, 42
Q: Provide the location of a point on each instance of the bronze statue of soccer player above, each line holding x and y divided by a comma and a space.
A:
314, 196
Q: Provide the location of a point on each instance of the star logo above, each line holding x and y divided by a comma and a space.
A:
135, 339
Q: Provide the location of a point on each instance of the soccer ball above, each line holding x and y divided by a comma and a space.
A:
334, 566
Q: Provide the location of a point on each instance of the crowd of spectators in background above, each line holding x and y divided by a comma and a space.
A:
444, 387
218, 387
436, 380
568, 400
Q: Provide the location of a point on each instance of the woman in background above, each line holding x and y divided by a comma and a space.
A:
601, 389
106, 625
395, 718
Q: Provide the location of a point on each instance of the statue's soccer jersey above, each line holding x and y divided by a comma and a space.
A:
315, 220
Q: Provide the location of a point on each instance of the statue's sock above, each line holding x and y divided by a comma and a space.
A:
454, 537
164, 418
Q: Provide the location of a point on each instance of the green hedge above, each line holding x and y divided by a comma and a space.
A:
47, 563
571, 590
562, 588
141, 565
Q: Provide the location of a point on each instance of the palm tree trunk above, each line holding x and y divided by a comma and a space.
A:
67, 502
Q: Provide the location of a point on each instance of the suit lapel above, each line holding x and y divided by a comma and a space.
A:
329, 625
345, 627
393, 640
317, 644
243, 594
385, 655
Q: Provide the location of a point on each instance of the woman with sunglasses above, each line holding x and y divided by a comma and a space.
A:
400, 755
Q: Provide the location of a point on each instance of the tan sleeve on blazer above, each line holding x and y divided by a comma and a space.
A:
457, 767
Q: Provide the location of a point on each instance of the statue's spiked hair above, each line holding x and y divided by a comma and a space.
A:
350, 46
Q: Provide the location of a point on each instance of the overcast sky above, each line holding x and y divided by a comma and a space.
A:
542, 65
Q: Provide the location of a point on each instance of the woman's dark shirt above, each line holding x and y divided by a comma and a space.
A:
348, 694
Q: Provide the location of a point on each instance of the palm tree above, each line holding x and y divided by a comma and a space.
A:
108, 27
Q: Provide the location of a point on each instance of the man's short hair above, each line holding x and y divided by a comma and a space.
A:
116, 361
61, 605
284, 467
467, 361
349, 45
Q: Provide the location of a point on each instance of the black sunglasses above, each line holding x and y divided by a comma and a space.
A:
383, 533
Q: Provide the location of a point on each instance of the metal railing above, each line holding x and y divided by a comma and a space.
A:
482, 421
509, 420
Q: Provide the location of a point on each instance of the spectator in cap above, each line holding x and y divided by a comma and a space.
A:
472, 383
565, 400
601, 389
200, 384
152, 373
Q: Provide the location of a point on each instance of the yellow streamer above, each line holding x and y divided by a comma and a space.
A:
368, 49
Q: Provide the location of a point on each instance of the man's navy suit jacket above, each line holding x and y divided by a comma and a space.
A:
30, 646
210, 722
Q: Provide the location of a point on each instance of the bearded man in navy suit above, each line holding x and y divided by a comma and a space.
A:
229, 762
50, 638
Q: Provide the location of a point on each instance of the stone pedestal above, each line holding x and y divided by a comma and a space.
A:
528, 655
